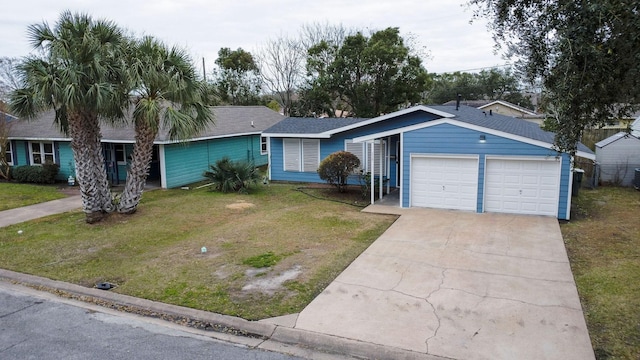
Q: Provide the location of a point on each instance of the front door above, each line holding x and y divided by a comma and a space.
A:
109, 152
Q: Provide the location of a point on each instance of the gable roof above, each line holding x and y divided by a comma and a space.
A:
509, 105
465, 116
229, 121
325, 127
485, 104
297, 126
615, 137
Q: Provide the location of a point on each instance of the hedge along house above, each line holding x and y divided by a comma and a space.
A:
446, 157
235, 134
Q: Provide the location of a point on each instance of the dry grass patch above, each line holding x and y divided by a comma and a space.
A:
603, 242
156, 253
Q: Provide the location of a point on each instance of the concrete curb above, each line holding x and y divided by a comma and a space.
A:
262, 330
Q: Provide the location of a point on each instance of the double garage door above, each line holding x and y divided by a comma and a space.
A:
520, 186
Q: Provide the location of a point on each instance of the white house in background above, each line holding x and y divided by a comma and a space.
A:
618, 157
635, 128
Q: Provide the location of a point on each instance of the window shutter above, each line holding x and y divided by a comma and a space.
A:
291, 153
357, 150
311, 154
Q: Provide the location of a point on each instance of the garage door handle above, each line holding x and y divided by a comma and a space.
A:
520, 192
442, 187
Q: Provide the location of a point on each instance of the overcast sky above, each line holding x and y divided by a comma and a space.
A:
204, 26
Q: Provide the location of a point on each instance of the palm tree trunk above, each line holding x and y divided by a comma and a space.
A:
138, 169
91, 175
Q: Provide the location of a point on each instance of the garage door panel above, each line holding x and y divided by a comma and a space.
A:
522, 186
444, 182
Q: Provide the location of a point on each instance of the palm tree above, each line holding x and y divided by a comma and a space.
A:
167, 94
80, 75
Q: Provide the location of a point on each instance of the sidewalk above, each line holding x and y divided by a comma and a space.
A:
18, 215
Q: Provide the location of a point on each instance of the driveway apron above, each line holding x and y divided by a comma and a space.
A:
459, 285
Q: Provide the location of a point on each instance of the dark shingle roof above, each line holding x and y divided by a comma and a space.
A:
229, 121
310, 126
314, 126
502, 123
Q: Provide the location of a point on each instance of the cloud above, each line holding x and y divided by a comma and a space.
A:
203, 27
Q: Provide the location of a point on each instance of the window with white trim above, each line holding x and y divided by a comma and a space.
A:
263, 145
302, 155
121, 154
41, 153
8, 154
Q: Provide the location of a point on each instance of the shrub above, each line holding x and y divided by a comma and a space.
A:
228, 175
45, 174
336, 168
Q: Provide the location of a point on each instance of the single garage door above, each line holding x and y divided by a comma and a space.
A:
522, 186
444, 182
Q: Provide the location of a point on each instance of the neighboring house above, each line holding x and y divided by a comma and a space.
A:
618, 156
438, 157
503, 108
635, 127
235, 134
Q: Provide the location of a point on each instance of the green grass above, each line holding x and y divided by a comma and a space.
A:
267, 259
155, 253
13, 195
603, 242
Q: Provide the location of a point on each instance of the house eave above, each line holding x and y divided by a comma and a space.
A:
297, 135
389, 116
454, 122
203, 138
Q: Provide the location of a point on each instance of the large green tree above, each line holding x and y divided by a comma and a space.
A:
493, 84
370, 75
80, 74
237, 79
166, 93
587, 54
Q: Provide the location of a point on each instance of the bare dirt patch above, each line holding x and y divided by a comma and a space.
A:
271, 282
240, 205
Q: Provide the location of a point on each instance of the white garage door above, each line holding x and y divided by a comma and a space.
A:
444, 182
522, 186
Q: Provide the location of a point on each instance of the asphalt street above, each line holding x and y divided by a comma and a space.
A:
34, 326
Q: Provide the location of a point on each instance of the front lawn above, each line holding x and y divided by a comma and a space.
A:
603, 242
267, 254
14, 195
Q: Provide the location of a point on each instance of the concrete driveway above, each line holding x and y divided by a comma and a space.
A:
459, 285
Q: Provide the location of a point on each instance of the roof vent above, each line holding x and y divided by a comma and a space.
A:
490, 112
458, 101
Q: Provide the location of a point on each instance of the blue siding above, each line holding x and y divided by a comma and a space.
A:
22, 154
450, 139
65, 159
277, 164
185, 163
336, 143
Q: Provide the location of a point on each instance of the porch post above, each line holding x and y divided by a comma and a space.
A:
387, 162
373, 184
380, 184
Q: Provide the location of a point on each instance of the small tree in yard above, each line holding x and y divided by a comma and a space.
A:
336, 168
227, 175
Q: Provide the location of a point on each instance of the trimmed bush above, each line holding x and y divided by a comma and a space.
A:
228, 175
336, 168
44, 174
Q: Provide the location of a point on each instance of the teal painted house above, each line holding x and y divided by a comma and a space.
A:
236, 134
447, 157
